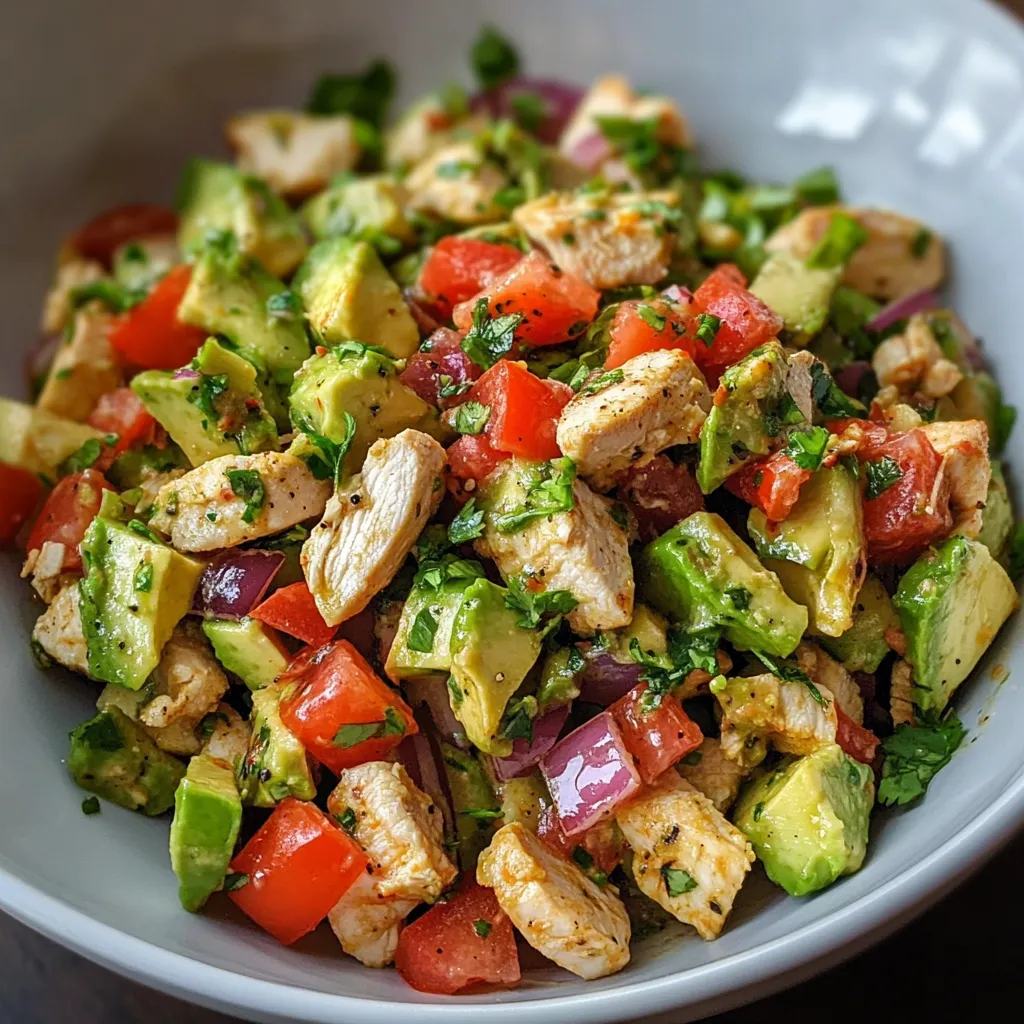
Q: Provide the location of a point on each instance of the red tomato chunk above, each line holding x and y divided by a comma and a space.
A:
771, 483
642, 325
66, 514
293, 610
121, 412
20, 492
457, 268
657, 738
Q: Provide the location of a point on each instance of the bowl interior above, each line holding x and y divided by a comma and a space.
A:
917, 106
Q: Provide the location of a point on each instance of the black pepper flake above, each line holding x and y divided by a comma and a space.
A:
355, 499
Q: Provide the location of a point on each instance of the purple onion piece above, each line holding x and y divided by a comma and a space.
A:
525, 756
589, 773
186, 373
234, 582
678, 293
605, 680
903, 308
849, 377
420, 754
591, 151
560, 100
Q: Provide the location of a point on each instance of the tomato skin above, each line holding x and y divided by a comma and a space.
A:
121, 412
858, 742
299, 865
66, 514
336, 687
20, 492
551, 301
444, 357
292, 610
150, 335
472, 457
631, 335
524, 410
603, 842
458, 268
772, 483
441, 952
101, 237
657, 739
660, 494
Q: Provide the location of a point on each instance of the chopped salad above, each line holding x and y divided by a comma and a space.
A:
496, 528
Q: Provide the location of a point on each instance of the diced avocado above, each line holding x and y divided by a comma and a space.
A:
216, 197
350, 296
134, 592
491, 655
220, 412
37, 440
524, 800
252, 651
808, 818
207, 817
113, 757
997, 519
701, 574
798, 293
471, 792
362, 208
559, 678
275, 765
352, 379
951, 603
130, 467
862, 647
818, 550
434, 610
749, 418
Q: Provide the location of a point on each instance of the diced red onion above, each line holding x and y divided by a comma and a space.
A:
432, 691
902, 308
589, 773
678, 293
560, 101
605, 679
424, 321
849, 377
234, 582
525, 755
421, 757
186, 374
591, 151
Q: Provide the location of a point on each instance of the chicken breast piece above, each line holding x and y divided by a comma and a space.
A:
900, 257
229, 737
45, 566
372, 523
83, 369
653, 401
963, 446
583, 551
554, 905
607, 240
295, 153
402, 833
58, 631
825, 671
913, 362
71, 274
423, 129
200, 511
686, 856
760, 709
457, 183
713, 774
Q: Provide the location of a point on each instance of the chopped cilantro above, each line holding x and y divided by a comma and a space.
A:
550, 492
83, 458
818, 187
807, 447
651, 317
517, 722
787, 673
447, 388
424, 629
467, 525
235, 880
601, 381
247, 484
740, 597
677, 881
204, 394
143, 580
707, 327
830, 399
493, 58
284, 305
366, 96
913, 755
920, 243
533, 605
139, 527
881, 475
843, 237
347, 820
482, 928
90, 805
456, 169
327, 461
356, 733
483, 813
490, 338
471, 418
529, 109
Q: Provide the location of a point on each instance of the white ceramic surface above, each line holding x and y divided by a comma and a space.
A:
916, 102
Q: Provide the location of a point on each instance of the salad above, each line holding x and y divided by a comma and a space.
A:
496, 528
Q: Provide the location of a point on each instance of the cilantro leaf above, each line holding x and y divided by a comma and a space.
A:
650, 316
830, 399
235, 880
482, 928
601, 381
550, 492
467, 525
421, 636
533, 605
284, 305
517, 722
787, 673
818, 187
327, 462
881, 475
490, 338
529, 109
843, 237
447, 388
677, 881
913, 755
807, 447
347, 820
247, 484
920, 243
204, 394
355, 733
493, 58
471, 418
80, 460
118, 298
687, 650
366, 96
707, 329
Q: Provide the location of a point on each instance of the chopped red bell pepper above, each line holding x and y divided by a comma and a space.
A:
293, 610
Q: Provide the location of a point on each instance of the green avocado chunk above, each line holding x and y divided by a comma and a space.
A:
113, 757
524, 800
131, 467
36, 440
275, 765
220, 412
361, 207
751, 416
807, 819
997, 518
471, 792
951, 603
216, 197
248, 648
701, 574
207, 817
862, 647
134, 593
350, 296
491, 656
798, 293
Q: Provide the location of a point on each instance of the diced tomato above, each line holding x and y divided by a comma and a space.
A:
341, 710
603, 842
121, 412
642, 325
746, 321
858, 742
441, 356
472, 457
66, 514
105, 234
457, 268
298, 865
464, 940
555, 305
658, 738
772, 483
660, 494
292, 610
20, 492
151, 335
524, 410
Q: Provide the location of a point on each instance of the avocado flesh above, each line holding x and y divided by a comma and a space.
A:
248, 648
126, 627
207, 817
862, 647
442, 604
796, 292
36, 440
951, 602
491, 656
113, 757
689, 571
524, 800
359, 207
470, 790
997, 518
807, 819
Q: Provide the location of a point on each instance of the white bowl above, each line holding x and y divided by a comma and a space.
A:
917, 103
